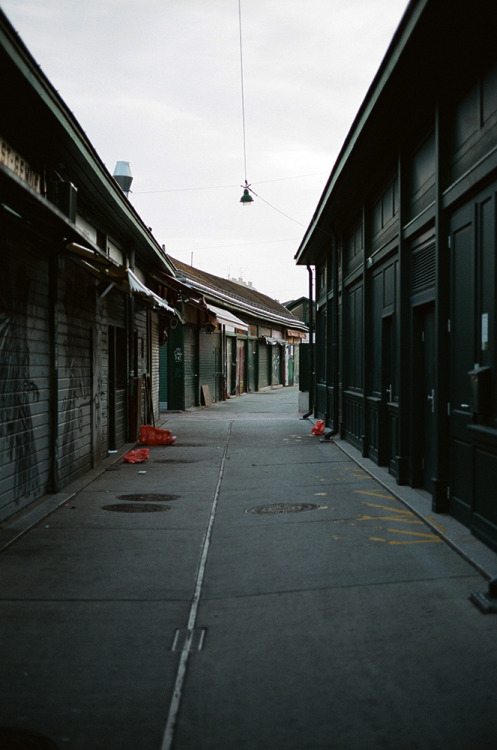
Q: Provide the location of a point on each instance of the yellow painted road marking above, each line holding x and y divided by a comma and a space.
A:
386, 507
416, 541
375, 494
429, 535
389, 518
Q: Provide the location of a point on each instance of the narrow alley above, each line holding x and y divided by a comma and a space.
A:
249, 587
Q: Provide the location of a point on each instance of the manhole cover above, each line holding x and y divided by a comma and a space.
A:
150, 497
277, 508
12, 738
136, 507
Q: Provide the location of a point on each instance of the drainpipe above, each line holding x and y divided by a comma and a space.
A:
311, 347
133, 427
223, 363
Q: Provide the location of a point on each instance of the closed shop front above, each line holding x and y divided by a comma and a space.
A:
163, 376
24, 376
264, 364
117, 370
473, 415
252, 365
276, 365
210, 362
191, 366
77, 298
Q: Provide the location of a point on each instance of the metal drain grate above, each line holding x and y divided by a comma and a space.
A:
150, 497
136, 507
279, 508
12, 738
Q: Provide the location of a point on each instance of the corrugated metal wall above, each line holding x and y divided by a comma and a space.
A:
141, 365
163, 355
154, 332
251, 365
76, 311
190, 364
117, 360
264, 352
210, 362
276, 378
24, 377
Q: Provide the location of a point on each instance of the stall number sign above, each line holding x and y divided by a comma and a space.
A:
10, 159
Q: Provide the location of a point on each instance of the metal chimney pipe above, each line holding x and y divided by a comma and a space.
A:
122, 175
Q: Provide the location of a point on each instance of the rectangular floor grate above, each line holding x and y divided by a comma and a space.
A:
193, 638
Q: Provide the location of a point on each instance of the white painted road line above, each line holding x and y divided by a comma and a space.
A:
192, 617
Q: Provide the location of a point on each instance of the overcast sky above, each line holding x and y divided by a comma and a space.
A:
157, 83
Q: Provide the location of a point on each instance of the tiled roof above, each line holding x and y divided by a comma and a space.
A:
233, 295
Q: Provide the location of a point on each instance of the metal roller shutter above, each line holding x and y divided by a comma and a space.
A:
210, 363
24, 379
263, 365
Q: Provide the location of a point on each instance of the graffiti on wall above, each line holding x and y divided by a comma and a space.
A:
73, 357
18, 390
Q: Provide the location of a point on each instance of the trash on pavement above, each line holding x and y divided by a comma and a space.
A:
136, 456
318, 428
154, 436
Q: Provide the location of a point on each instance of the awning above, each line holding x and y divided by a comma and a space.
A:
137, 287
224, 317
272, 342
296, 334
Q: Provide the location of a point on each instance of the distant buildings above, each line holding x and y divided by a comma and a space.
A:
88, 300
239, 341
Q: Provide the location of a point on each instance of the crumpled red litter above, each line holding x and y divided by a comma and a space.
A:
318, 428
154, 436
136, 456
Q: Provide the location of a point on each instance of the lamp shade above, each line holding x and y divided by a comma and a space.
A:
246, 198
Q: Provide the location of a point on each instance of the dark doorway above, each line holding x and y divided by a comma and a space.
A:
387, 413
424, 397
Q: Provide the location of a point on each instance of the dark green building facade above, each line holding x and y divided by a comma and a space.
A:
403, 250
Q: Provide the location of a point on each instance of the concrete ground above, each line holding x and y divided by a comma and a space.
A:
261, 590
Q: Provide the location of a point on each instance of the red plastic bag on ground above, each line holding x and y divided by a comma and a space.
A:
154, 436
318, 428
136, 456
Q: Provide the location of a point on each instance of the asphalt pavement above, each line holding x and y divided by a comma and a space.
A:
251, 587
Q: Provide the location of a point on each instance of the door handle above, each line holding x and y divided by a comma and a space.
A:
431, 397
389, 392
